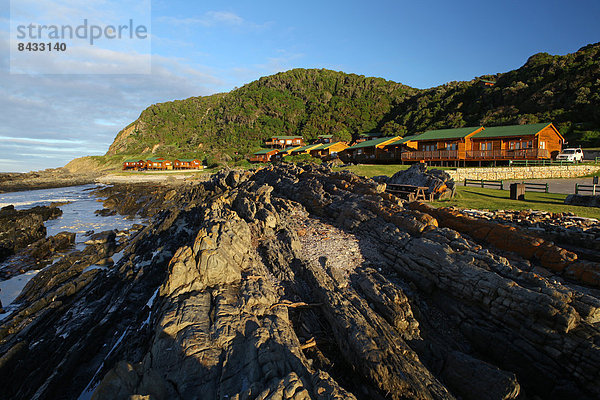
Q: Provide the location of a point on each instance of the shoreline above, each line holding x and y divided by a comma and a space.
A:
18, 182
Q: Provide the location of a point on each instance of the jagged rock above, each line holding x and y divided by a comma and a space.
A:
45, 248
105, 237
19, 228
478, 380
439, 182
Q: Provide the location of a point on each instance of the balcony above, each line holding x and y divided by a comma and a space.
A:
476, 155
516, 154
430, 155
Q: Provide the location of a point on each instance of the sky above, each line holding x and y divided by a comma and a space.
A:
63, 105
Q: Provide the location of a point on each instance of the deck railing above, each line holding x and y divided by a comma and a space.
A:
477, 155
517, 154
430, 155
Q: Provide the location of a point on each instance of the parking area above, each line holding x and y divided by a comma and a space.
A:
565, 185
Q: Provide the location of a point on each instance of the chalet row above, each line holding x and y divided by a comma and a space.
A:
280, 146
451, 146
161, 163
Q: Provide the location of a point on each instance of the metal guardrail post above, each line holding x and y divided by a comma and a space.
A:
501, 185
482, 184
577, 188
547, 188
465, 181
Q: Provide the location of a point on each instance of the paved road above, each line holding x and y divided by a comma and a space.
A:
565, 185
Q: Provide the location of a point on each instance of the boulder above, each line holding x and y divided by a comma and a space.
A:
439, 182
583, 200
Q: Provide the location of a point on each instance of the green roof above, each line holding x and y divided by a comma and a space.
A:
370, 143
511, 130
264, 151
487, 81
441, 134
133, 160
156, 159
186, 159
325, 136
291, 148
286, 137
402, 140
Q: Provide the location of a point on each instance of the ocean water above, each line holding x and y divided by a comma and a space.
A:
78, 216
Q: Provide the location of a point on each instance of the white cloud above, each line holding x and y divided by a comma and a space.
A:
212, 19
66, 116
209, 19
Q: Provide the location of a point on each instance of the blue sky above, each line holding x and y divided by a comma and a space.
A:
199, 48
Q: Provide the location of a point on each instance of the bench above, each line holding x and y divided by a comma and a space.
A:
409, 192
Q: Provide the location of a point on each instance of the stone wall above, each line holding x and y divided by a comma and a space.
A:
537, 172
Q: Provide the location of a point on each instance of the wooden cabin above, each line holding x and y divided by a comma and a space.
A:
328, 150
486, 83
516, 142
369, 150
323, 139
155, 163
263, 155
134, 164
500, 143
395, 148
187, 163
282, 142
442, 144
363, 137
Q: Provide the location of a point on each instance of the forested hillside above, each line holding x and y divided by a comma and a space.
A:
306, 102
560, 89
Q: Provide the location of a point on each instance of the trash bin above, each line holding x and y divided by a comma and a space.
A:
517, 191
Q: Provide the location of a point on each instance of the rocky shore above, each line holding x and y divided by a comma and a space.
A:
20, 228
47, 179
298, 282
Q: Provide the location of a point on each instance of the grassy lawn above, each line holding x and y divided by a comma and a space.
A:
492, 199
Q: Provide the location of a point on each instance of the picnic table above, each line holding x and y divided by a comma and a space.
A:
409, 192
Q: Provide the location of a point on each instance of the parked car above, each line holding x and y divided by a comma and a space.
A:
573, 155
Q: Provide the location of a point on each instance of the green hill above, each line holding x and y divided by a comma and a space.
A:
561, 89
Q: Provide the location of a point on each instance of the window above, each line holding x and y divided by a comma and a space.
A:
288, 142
451, 146
428, 147
542, 145
485, 146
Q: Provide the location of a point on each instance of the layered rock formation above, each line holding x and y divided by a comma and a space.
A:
19, 228
297, 282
